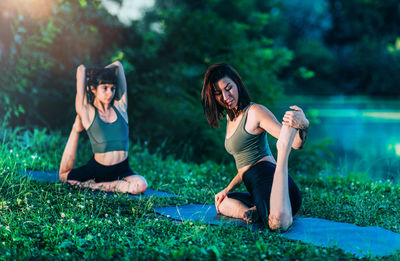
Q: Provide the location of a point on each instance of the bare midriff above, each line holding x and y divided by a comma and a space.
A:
111, 157
268, 158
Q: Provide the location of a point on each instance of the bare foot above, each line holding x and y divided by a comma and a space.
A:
74, 182
89, 184
85, 184
251, 215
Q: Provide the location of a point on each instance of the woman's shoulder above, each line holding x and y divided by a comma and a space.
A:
255, 107
258, 110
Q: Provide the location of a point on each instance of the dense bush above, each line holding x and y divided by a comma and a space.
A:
42, 43
352, 47
174, 45
318, 47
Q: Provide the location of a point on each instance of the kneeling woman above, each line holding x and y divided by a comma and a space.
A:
273, 196
101, 104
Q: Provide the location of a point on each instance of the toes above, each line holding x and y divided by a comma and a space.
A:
251, 216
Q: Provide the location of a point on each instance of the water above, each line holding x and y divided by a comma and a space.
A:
365, 132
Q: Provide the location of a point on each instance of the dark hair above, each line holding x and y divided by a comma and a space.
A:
95, 77
212, 109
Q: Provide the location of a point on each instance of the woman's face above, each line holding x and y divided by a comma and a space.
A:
104, 92
227, 93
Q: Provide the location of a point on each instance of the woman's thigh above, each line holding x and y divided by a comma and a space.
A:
83, 173
258, 181
244, 197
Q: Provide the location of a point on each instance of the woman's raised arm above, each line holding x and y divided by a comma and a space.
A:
81, 104
269, 123
121, 95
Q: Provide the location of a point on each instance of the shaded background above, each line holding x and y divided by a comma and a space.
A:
338, 60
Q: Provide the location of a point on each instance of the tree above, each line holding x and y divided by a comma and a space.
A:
42, 44
174, 45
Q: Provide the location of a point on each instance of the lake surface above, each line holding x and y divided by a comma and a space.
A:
365, 132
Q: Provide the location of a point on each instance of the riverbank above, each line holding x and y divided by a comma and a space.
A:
363, 131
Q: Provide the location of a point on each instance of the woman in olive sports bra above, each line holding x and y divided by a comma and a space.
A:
273, 197
101, 105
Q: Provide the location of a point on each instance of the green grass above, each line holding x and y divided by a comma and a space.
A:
56, 221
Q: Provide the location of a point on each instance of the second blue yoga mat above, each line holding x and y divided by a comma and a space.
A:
360, 241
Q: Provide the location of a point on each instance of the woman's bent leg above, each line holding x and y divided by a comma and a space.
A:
258, 180
69, 155
134, 184
115, 178
236, 204
233, 208
280, 215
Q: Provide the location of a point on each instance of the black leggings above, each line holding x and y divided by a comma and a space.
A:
258, 180
101, 173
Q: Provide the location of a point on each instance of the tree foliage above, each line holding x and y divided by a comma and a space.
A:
165, 56
311, 46
351, 46
42, 43
174, 45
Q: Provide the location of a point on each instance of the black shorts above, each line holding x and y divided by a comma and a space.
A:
101, 173
258, 180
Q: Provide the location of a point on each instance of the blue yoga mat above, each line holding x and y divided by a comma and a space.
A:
52, 177
360, 241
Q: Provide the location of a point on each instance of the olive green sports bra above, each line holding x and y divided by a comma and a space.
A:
106, 137
247, 148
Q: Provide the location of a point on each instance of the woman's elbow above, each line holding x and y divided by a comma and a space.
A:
118, 63
297, 146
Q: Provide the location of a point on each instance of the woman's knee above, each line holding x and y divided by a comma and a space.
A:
137, 184
280, 220
142, 184
63, 176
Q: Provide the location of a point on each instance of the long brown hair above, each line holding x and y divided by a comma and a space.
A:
212, 109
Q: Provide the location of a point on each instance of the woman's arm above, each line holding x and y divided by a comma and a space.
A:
121, 95
236, 181
81, 104
267, 121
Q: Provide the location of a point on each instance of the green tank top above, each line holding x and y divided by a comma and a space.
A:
106, 137
247, 148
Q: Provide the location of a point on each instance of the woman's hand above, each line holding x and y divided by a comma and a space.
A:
295, 119
219, 197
